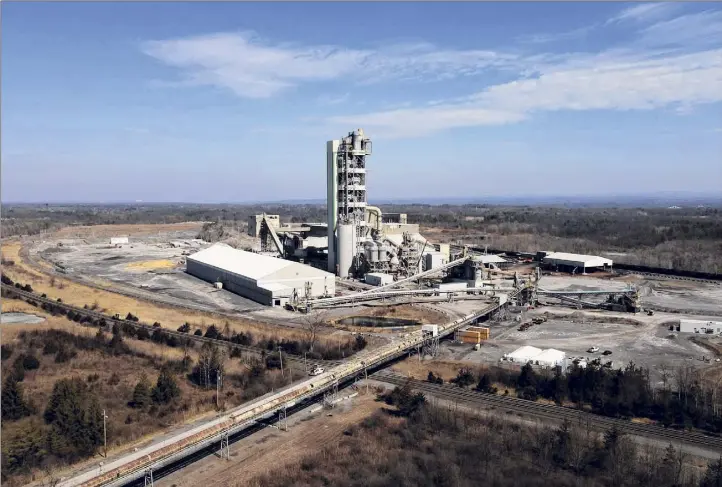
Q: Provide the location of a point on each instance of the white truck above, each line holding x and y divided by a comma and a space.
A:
316, 370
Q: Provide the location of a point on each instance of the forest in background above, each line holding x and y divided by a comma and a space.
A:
688, 238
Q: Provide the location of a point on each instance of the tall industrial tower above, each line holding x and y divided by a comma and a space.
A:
346, 198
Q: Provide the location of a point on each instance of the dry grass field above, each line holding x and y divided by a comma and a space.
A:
112, 378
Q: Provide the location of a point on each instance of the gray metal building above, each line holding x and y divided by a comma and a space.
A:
266, 280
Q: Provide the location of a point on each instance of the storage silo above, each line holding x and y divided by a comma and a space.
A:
384, 251
372, 252
345, 250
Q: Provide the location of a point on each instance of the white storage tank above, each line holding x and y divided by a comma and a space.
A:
452, 286
345, 250
378, 278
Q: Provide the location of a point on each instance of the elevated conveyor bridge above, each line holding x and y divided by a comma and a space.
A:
135, 465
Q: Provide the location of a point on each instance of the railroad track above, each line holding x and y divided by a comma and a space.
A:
112, 320
556, 413
617, 270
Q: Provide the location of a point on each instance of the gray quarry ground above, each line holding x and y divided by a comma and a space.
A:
20, 319
97, 260
649, 342
646, 340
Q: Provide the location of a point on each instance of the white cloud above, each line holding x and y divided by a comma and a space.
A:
327, 99
242, 63
675, 63
603, 82
692, 30
253, 68
644, 12
559, 36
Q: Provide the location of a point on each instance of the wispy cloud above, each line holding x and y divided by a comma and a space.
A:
559, 36
674, 63
691, 30
254, 68
644, 12
334, 99
622, 82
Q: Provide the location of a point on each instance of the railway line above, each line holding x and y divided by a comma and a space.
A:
133, 466
555, 413
189, 336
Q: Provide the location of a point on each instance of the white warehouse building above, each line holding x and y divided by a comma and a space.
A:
266, 280
575, 263
700, 326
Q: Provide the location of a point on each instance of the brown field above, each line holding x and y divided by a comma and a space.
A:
270, 449
418, 313
147, 265
420, 370
127, 427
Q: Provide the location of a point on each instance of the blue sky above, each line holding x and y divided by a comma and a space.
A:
229, 102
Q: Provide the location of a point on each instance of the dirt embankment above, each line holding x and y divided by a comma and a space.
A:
418, 313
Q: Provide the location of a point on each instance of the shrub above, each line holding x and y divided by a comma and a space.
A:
6, 351
30, 362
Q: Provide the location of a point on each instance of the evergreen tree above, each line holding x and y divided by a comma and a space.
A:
527, 377
13, 405
76, 420
464, 377
484, 385
166, 389
713, 475
141, 393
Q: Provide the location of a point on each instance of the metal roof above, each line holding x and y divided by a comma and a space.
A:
550, 356
247, 264
489, 259
527, 352
586, 260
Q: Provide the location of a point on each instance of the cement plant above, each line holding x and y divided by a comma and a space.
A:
366, 299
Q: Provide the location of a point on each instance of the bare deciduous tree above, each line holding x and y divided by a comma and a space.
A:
312, 323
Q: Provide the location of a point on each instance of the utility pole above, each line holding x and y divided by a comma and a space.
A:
218, 388
280, 356
305, 365
105, 436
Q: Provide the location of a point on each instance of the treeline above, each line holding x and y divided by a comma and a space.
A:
30, 219
69, 426
685, 399
688, 238
681, 238
311, 346
439, 446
